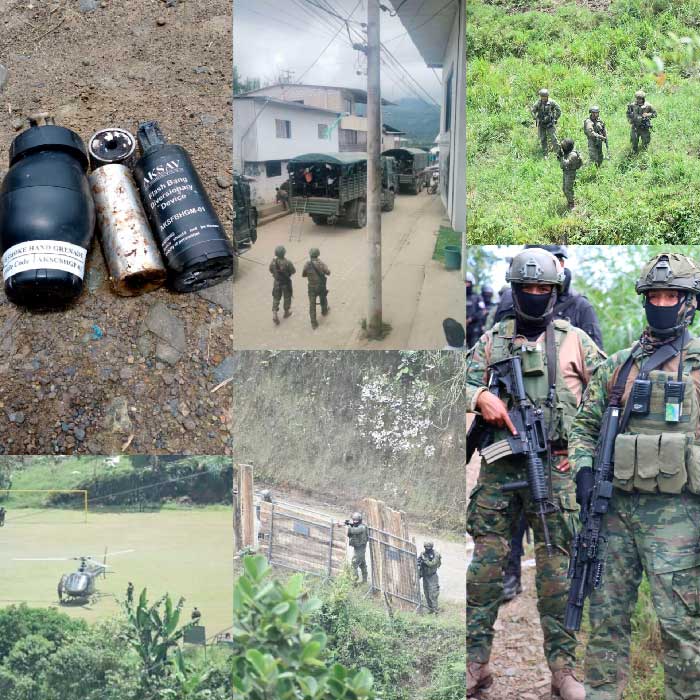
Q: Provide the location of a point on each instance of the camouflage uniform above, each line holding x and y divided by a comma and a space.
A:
316, 271
570, 163
491, 513
546, 115
596, 135
640, 126
282, 270
358, 537
431, 583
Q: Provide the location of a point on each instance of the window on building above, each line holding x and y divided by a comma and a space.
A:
448, 99
323, 131
283, 127
299, 102
273, 168
347, 105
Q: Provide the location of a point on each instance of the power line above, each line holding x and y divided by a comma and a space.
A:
430, 19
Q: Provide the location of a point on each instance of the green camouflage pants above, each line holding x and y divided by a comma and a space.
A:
659, 535
358, 562
595, 151
568, 187
431, 589
637, 133
491, 517
545, 133
278, 291
313, 295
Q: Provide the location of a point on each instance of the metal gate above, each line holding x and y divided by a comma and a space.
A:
394, 568
300, 539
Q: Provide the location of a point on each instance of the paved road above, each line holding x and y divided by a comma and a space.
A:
418, 292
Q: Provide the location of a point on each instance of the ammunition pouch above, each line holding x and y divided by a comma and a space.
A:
654, 463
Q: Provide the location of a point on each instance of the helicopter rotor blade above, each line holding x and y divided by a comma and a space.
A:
43, 558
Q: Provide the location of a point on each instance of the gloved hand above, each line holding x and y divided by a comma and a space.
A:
584, 484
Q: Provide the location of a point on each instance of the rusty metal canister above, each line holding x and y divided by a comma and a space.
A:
131, 252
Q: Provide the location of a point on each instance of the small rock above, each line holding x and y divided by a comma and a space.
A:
224, 182
17, 124
208, 119
16, 417
200, 69
3, 76
161, 21
126, 372
171, 3
224, 370
510, 672
221, 294
190, 425
88, 5
79, 434
117, 415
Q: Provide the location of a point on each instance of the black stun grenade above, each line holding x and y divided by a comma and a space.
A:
47, 216
184, 222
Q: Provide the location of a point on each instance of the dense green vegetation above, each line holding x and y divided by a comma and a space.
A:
583, 57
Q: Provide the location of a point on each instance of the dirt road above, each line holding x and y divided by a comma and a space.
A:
418, 292
109, 373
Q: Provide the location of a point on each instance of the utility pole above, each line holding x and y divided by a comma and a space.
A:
374, 173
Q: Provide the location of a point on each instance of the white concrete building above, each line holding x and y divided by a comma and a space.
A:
438, 32
268, 132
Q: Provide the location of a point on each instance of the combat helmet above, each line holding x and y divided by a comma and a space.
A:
640, 93
314, 253
671, 271
280, 251
428, 545
557, 250
356, 518
468, 277
594, 108
543, 92
535, 266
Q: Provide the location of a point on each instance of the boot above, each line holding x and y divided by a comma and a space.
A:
324, 312
314, 324
287, 313
511, 586
275, 318
566, 686
478, 677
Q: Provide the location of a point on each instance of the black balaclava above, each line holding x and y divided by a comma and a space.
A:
470, 289
532, 311
666, 322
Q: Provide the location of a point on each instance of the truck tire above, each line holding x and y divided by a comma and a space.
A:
359, 219
319, 219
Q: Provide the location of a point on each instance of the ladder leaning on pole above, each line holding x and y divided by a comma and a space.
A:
297, 225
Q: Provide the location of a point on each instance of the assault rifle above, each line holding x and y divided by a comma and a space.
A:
587, 553
530, 441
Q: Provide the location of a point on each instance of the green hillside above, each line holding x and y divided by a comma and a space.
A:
584, 57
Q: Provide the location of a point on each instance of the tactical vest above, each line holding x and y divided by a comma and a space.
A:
357, 535
655, 455
535, 376
546, 113
597, 126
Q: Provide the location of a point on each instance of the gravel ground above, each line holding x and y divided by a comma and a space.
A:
112, 374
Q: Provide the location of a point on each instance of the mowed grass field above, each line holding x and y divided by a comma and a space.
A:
184, 552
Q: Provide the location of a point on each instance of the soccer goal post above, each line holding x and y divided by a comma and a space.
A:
26, 501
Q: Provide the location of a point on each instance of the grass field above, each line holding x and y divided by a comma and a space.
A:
446, 236
185, 552
584, 58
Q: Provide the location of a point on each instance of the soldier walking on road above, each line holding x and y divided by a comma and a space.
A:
652, 524
557, 360
3, 513
358, 537
130, 593
428, 564
570, 162
546, 113
639, 115
316, 272
597, 135
281, 270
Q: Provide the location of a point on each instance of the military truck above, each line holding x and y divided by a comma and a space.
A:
412, 164
333, 186
245, 214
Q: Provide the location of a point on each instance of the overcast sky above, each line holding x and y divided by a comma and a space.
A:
270, 35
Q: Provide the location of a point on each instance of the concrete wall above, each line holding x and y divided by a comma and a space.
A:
453, 145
